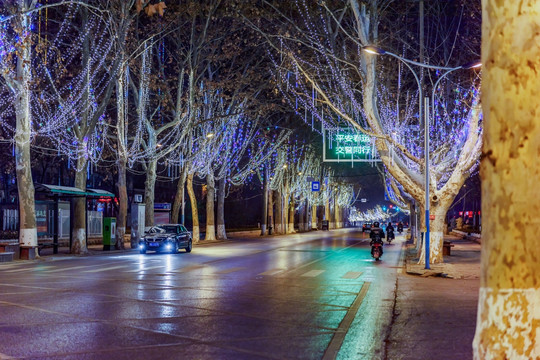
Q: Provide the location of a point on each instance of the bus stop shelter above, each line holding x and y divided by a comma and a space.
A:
57, 193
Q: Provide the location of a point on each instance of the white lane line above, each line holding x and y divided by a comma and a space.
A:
352, 275
231, 270
5, 357
70, 268
146, 268
106, 269
272, 272
188, 268
29, 269
313, 273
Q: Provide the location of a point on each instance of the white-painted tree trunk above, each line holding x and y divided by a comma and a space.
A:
210, 220
290, 224
314, 216
221, 232
78, 235
23, 114
508, 322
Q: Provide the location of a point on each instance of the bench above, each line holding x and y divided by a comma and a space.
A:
10, 247
447, 246
44, 244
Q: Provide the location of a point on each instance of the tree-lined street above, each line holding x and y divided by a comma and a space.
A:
293, 297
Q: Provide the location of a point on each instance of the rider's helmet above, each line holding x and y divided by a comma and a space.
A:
376, 224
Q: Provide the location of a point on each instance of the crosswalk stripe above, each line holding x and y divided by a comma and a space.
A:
313, 273
29, 269
352, 275
231, 270
146, 268
272, 272
188, 268
106, 269
68, 268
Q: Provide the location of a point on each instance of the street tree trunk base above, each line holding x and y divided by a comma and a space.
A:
28, 237
435, 245
120, 232
79, 242
512, 329
221, 233
196, 234
210, 232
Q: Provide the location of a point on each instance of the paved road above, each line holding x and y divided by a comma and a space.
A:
308, 296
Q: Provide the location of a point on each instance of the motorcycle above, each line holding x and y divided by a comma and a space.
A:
400, 229
376, 250
390, 236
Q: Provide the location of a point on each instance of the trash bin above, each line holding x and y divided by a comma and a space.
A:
325, 225
109, 233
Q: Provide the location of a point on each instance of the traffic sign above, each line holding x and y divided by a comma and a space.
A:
431, 217
315, 186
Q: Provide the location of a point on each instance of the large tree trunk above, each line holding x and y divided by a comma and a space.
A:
332, 214
210, 221
178, 202
25, 184
123, 203
290, 225
149, 192
279, 212
271, 215
264, 219
436, 236
508, 319
78, 235
314, 216
194, 211
221, 233
302, 217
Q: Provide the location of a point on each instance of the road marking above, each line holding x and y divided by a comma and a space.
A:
339, 335
231, 270
146, 268
69, 268
313, 273
106, 269
29, 269
188, 268
272, 272
352, 275
5, 357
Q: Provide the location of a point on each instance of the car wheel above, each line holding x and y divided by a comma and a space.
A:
175, 250
190, 245
142, 251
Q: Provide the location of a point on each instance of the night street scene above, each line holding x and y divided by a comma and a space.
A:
265, 179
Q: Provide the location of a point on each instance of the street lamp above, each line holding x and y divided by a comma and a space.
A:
473, 64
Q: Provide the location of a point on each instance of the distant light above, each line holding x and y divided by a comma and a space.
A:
373, 50
159, 145
472, 65
285, 166
300, 173
210, 135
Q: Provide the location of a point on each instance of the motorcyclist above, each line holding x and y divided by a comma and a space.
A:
390, 232
400, 227
376, 235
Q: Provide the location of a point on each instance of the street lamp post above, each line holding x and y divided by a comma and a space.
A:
474, 64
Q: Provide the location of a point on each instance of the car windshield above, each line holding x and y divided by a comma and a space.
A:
168, 229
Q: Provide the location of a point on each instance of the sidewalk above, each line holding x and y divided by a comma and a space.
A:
435, 310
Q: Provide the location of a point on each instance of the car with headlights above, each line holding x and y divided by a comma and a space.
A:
166, 238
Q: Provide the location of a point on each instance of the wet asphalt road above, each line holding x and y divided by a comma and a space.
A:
316, 295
